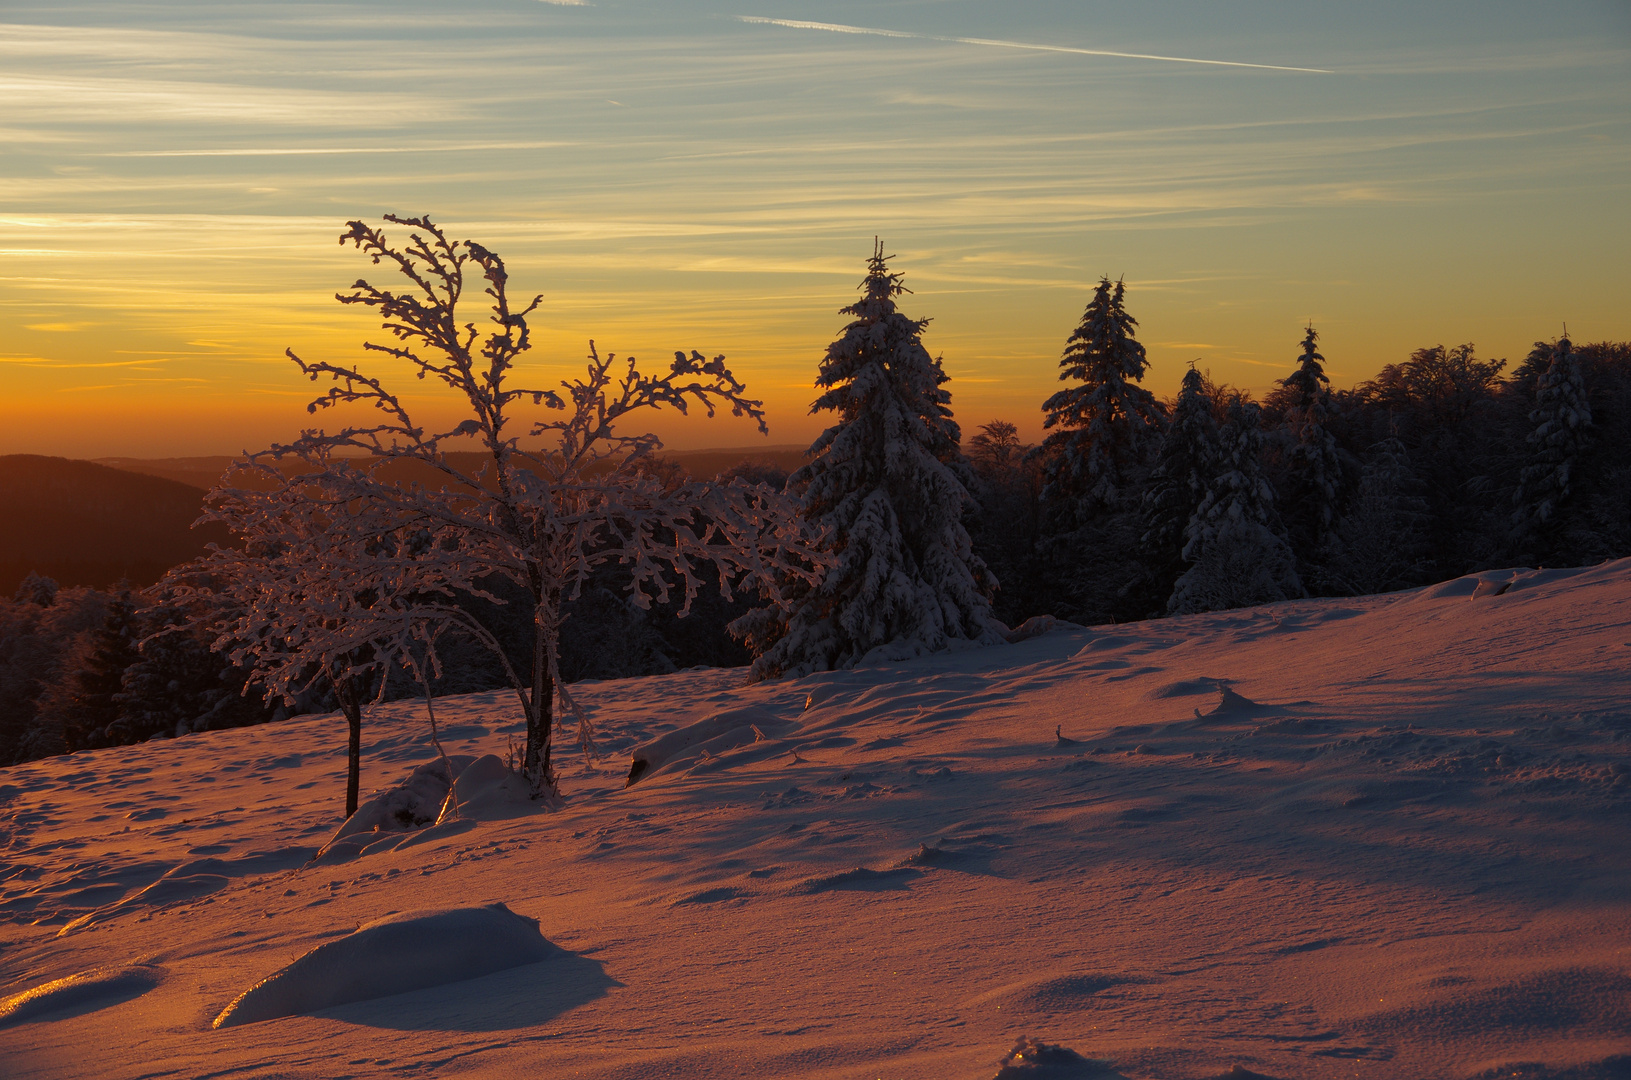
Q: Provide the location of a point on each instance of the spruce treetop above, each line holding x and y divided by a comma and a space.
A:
1104, 419
1309, 381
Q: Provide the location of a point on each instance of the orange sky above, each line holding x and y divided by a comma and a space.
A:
678, 178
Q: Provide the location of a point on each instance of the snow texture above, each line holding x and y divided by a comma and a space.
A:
87, 991
1379, 836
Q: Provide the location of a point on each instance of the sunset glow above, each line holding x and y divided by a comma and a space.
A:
703, 176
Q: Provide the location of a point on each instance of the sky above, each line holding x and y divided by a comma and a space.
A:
710, 175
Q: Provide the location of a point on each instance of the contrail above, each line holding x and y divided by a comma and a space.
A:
840, 28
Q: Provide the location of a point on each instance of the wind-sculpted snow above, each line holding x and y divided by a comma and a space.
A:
1380, 837
394, 955
84, 992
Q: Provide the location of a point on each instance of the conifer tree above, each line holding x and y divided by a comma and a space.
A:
1104, 421
83, 705
1379, 544
886, 489
1560, 436
1185, 466
1316, 466
1235, 544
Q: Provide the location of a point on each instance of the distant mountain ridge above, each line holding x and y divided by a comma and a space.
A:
83, 523
96, 523
205, 472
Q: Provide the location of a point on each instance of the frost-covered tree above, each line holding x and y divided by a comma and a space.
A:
326, 592
886, 493
36, 589
1379, 543
1560, 436
1186, 465
1101, 424
178, 684
1315, 478
79, 706
1005, 526
554, 493
1234, 543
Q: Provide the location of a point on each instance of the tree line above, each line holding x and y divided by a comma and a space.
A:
575, 550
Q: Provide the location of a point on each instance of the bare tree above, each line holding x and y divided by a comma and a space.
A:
547, 496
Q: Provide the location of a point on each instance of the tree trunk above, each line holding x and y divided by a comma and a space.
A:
541, 717
352, 708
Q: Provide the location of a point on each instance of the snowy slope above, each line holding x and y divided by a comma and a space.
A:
1383, 837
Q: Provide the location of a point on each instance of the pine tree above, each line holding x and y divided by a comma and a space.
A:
81, 706
1560, 436
1235, 544
1104, 421
1185, 466
1316, 467
1379, 544
884, 487
177, 685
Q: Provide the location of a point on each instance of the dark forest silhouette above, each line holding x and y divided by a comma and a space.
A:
1132, 508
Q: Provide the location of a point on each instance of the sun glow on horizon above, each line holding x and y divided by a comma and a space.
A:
169, 204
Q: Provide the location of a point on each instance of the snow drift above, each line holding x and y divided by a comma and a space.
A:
85, 992
394, 955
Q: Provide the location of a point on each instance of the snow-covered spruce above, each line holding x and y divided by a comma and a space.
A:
1379, 544
1185, 466
1237, 552
1103, 422
886, 489
1561, 434
1316, 465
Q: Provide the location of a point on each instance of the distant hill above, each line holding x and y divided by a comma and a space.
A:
205, 472
95, 523
88, 524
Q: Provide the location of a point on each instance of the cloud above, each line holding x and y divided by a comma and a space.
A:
840, 28
297, 151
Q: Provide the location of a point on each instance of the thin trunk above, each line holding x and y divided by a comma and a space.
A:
541, 716
345, 692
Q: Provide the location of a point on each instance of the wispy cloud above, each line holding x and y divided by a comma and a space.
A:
840, 28
297, 151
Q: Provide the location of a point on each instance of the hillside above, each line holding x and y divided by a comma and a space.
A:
1378, 837
206, 472
97, 523
88, 524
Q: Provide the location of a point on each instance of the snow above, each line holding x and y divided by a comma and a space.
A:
1377, 837
393, 955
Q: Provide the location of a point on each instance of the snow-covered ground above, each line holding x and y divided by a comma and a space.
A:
1383, 837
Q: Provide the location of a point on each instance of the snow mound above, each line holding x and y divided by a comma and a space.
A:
483, 789
859, 877
1031, 1059
704, 739
81, 993
486, 790
394, 955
